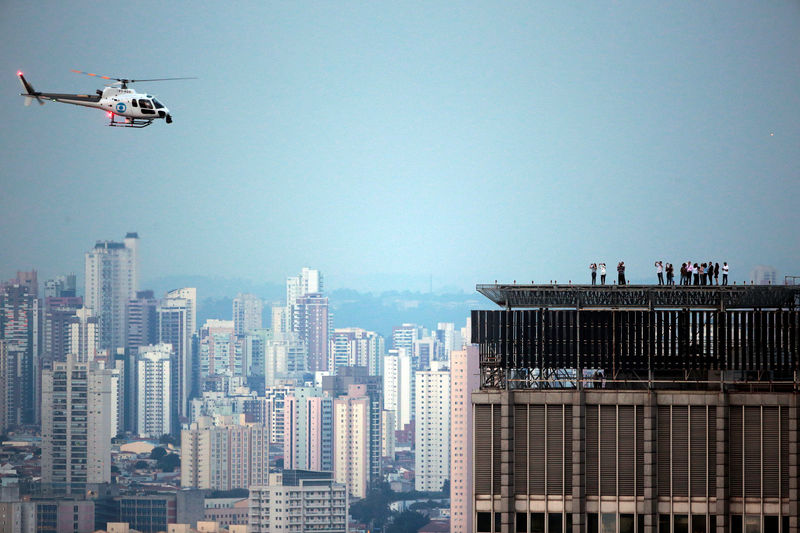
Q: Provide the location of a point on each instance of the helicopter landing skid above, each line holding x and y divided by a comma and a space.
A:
130, 122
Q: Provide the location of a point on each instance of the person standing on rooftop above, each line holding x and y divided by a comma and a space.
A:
696, 272
660, 272
725, 273
621, 272
593, 268
602, 273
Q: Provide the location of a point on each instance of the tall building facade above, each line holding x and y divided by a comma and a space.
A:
312, 320
224, 453
658, 409
464, 380
111, 282
83, 335
142, 320
177, 322
351, 443
247, 309
357, 347
76, 424
398, 376
154, 390
298, 500
432, 438
296, 427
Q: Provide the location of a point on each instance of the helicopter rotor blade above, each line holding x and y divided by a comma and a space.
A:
164, 79
95, 75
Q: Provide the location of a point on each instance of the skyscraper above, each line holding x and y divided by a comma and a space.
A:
142, 320
296, 427
177, 320
432, 428
398, 376
356, 347
76, 424
246, 313
83, 338
311, 321
351, 446
464, 371
111, 282
58, 312
154, 390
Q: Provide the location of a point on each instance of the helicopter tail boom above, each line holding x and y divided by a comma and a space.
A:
30, 94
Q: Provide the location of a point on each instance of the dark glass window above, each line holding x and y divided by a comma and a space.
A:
640, 520
555, 522
522, 522
145, 104
663, 523
537, 522
698, 523
484, 522
771, 523
680, 523
626, 523
736, 523
591, 523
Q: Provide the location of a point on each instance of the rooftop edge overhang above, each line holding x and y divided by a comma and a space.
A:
518, 296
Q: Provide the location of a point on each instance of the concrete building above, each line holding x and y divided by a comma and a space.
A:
351, 440
142, 320
320, 434
255, 348
640, 409
311, 319
388, 440
247, 310
300, 501
224, 453
220, 350
111, 282
154, 390
463, 381
60, 287
356, 347
432, 440
76, 425
58, 311
296, 427
177, 322
398, 378
83, 335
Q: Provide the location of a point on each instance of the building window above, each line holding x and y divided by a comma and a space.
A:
537, 522
484, 522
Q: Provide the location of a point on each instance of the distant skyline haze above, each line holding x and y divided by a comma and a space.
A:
411, 145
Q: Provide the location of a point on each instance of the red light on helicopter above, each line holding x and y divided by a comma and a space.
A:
19, 73
109, 114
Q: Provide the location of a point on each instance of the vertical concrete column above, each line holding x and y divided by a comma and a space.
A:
650, 467
794, 467
507, 462
579, 462
723, 478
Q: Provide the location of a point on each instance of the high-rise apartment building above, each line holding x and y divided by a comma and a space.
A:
224, 453
154, 390
311, 323
351, 443
221, 352
285, 357
177, 320
398, 376
142, 320
357, 347
60, 287
296, 426
58, 311
309, 281
432, 438
20, 331
300, 501
320, 433
255, 347
76, 424
464, 372
111, 282
247, 310
83, 335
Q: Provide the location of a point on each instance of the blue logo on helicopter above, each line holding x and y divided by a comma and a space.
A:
121, 107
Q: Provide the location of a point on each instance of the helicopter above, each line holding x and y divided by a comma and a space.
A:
137, 110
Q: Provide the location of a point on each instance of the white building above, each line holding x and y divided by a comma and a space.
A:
111, 281
398, 378
432, 437
83, 340
464, 378
177, 320
154, 390
247, 310
298, 501
356, 347
76, 424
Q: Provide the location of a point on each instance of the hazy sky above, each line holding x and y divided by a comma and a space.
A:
386, 142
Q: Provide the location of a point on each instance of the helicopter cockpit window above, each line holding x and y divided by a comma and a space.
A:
158, 104
145, 104
134, 104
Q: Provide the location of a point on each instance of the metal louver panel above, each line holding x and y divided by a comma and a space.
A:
592, 436
772, 453
736, 453
639, 450
699, 454
784, 438
521, 436
568, 449
712, 451
680, 450
555, 449
496, 452
627, 445
752, 452
537, 456
608, 450
483, 449
664, 453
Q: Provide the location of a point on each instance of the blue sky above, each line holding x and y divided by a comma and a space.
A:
390, 143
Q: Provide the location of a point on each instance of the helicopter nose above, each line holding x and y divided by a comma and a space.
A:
169, 118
